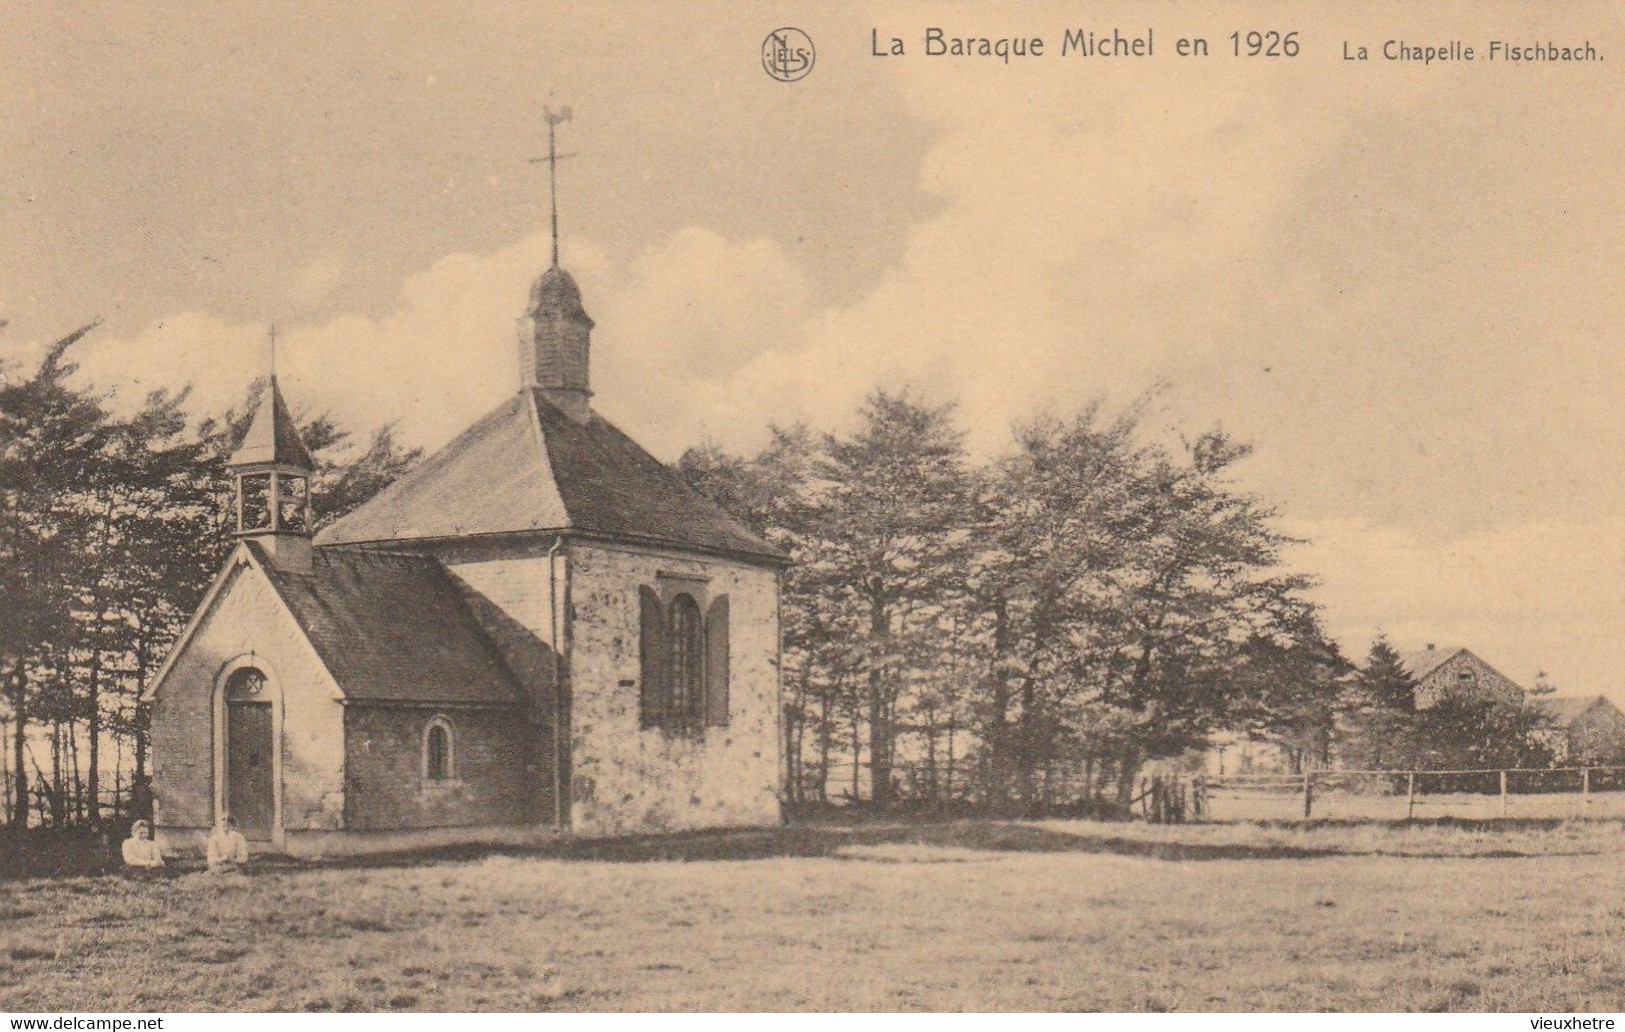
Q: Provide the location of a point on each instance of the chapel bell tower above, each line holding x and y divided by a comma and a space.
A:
271, 479
555, 333
555, 338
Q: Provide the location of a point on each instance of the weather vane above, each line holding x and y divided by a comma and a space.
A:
553, 158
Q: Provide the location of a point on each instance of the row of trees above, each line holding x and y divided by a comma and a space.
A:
1087, 603
1044, 624
1061, 616
111, 527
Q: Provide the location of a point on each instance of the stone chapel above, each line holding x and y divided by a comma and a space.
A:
540, 630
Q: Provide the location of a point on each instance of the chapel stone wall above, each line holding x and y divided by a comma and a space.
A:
387, 786
628, 779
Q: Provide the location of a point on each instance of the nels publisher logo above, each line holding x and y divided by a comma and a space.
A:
787, 54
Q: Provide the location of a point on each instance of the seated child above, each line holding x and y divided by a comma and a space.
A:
227, 849
139, 849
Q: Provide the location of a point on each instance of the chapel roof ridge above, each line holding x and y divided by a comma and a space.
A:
529, 466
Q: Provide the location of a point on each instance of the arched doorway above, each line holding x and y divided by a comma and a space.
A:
250, 767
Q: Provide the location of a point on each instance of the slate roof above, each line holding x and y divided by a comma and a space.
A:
556, 290
393, 628
527, 466
272, 435
1422, 662
1566, 709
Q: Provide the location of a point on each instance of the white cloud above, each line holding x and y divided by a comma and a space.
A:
1073, 252
1096, 234
674, 328
445, 355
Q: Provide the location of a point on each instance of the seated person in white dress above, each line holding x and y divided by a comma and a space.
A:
227, 849
139, 849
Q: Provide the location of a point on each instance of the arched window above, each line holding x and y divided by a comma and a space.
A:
684, 658
439, 751
687, 640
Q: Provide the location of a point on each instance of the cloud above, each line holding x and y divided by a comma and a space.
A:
1080, 247
674, 327
678, 328
445, 354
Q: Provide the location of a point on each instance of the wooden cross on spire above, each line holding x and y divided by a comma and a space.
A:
553, 158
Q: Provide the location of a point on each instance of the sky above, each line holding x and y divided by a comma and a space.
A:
1400, 282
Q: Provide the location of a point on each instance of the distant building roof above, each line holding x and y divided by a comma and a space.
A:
393, 628
272, 435
527, 466
1566, 709
1422, 662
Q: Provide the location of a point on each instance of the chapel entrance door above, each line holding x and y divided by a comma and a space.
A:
248, 768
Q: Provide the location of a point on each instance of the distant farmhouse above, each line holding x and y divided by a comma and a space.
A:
1444, 672
1440, 673
1586, 729
541, 630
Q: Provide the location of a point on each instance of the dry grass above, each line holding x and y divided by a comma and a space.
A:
981, 915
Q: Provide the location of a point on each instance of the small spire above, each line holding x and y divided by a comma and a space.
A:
273, 352
273, 436
555, 333
554, 119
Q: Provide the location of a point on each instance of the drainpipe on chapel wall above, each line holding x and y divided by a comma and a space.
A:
785, 773
561, 674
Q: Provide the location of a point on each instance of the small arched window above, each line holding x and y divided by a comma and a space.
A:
687, 640
439, 751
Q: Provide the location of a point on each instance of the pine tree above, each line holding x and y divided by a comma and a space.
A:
1381, 713
1057, 514
1290, 691
110, 531
898, 498
51, 438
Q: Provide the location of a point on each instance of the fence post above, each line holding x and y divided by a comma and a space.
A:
1585, 790
1503, 793
1308, 793
1410, 795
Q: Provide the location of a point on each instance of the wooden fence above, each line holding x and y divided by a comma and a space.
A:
1356, 795
1566, 792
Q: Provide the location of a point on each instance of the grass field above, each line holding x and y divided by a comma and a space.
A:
983, 915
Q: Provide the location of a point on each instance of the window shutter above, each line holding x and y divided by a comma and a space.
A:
716, 663
652, 652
